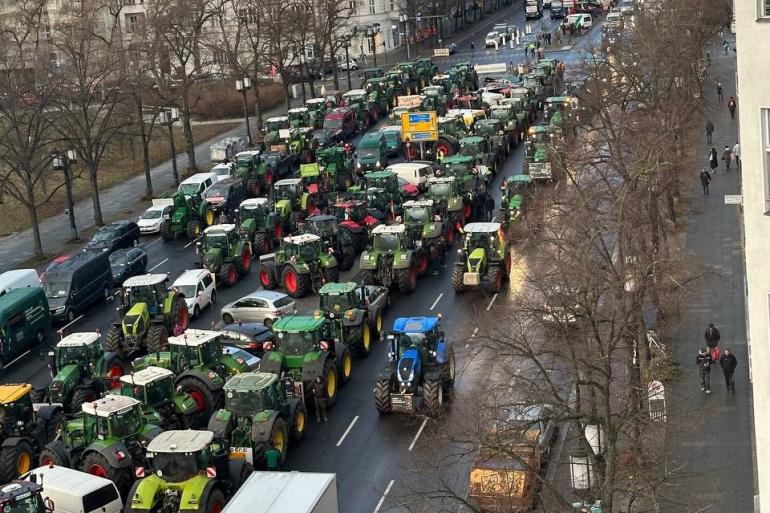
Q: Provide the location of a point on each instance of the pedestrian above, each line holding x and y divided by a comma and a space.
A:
473, 47
222, 217
726, 46
720, 92
703, 361
731, 107
319, 399
521, 69
548, 38
708, 58
709, 130
558, 35
705, 179
737, 154
272, 458
540, 54
478, 204
728, 362
510, 67
489, 207
712, 336
727, 156
713, 160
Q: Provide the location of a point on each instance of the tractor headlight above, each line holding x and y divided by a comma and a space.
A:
378, 164
391, 356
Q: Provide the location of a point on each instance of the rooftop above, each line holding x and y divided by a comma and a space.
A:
219, 228
288, 181
250, 381
415, 324
181, 441
338, 288
78, 339
109, 405
255, 202
481, 227
298, 324
147, 375
302, 238
145, 280
193, 337
394, 228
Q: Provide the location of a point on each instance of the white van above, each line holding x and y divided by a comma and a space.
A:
73, 491
197, 287
18, 279
416, 173
198, 183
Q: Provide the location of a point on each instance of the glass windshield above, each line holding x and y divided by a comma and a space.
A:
417, 215
32, 504
244, 162
186, 290
216, 239
176, 467
309, 251
70, 355
245, 404
104, 235
274, 126
126, 424
440, 190
141, 295
469, 149
285, 191
188, 189
386, 242
369, 152
55, 289
335, 302
159, 391
217, 190
332, 123
152, 214
297, 343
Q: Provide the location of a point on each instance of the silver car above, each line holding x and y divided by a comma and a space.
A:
265, 306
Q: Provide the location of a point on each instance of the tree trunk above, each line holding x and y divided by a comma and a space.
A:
257, 106
92, 177
32, 210
145, 147
192, 165
286, 96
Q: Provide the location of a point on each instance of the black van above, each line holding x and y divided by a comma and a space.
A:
77, 282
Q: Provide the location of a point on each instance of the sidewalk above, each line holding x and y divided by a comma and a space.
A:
710, 436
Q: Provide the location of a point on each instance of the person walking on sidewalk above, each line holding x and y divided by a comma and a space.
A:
726, 46
703, 361
728, 362
709, 130
720, 92
712, 336
708, 58
727, 156
731, 107
705, 180
713, 160
737, 153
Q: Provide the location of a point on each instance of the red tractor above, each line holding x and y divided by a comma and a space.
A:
354, 217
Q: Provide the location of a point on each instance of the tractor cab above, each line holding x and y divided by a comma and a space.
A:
472, 146
515, 185
538, 135
386, 180
316, 108
459, 167
350, 210
299, 335
253, 392
418, 212
151, 385
557, 109
370, 73
24, 496
16, 409
246, 163
480, 236
534, 82
389, 239
148, 289
489, 127
445, 81
337, 298
355, 97
111, 417
287, 194
79, 349
446, 195
413, 341
305, 247
254, 208
178, 456
273, 128
299, 117
333, 99
196, 348
451, 125
324, 226
216, 244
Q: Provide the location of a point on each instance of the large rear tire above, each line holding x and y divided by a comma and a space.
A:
97, 465
299, 423
433, 396
215, 502
267, 277
157, 339
382, 396
331, 383
205, 399
244, 264
331, 274
361, 346
165, 231
345, 363
55, 453
16, 460
367, 277
261, 244
495, 279
193, 229
347, 257
458, 271
228, 275
80, 397
406, 279
295, 284
114, 340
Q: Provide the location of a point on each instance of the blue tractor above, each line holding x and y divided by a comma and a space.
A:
418, 357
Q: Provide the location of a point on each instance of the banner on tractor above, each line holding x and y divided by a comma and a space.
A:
414, 100
441, 52
500, 67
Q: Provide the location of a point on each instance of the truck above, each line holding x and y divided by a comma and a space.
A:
278, 492
226, 149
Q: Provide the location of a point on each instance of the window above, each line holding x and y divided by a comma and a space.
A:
765, 117
392, 5
132, 23
369, 44
372, 7
220, 57
764, 9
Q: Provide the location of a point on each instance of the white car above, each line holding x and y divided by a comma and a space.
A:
582, 21
492, 39
344, 65
198, 183
153, 217
198, 289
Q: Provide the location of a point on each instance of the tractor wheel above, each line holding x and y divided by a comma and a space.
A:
221, 429
331, 274
344, 364
406, 279
467, 208
279, 438
15, 460
97, 465
228, 275
132, 493
362, 345
208, 217
253, 187
245, 263
458, 271
423, 260
294, 283
261, 244
448, 371
451, 234
206, 401
367, 277
114, 340
500, 217
495, 278
165, 231
331, 383
347, 257
377, 324
82, 396
269, 178
433, 396
55, 453
157, 339
193, 229
267, 277
53, 424
443, 146
214, 502
277, 230
382, 396
507, 266
298, 424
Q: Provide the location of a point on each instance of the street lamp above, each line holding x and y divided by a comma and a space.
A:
61, 162
242, 86
168, 116
404, 18
371, 32
345, 40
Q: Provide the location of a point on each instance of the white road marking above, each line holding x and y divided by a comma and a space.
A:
382, 499
190, 243
76, 319
166, 260
492, 302
25, 353
419, 432
436, 301
342, 439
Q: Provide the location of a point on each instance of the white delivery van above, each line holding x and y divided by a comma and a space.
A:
198, 183
282, 492
73, 491
416, 173
18, 279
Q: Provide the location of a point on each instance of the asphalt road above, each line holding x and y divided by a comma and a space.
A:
377, 459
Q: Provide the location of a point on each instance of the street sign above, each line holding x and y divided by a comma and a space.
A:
419, 126
414, 100
441, 52
733, 199
499, 67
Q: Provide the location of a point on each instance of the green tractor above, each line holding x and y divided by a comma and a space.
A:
468, 77
448, 203
388, 182
149, 312
513, 192
300, 144
493, 131
305, 349
106, 439
485, 158
253, 172
366, 112
448, 81
409, 79
339, 241
316, 108
224, 253
300, 266
450, 130
484, 257
435, 99
460, 167
191, 471
26, 427
527, 101
534, 81
162, 405
260, 412
338, 165
427, 233
189, 216
539, 152
355, 317
390, 261
317, 188
287, 197
81, 370
381, 95
557, 110
371, 73
513, 127
259, 224
200, 367
272, 130
402, 85
299, 117
426, 69
355, 218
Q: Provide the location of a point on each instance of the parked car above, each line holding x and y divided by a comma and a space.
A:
248, 336
323, 137
153, 217
492, 39
251, 361
198, 289
24, 321
345, 65
581, 21
393, 140
197, 183
372, 153
452, 47
72, 491
265, 306
127, 262
75, 283
225, 196
120, 234
279, 163
223, 170
341, 123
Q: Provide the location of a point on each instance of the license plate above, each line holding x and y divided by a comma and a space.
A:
402, 403
242, 453
471, 279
